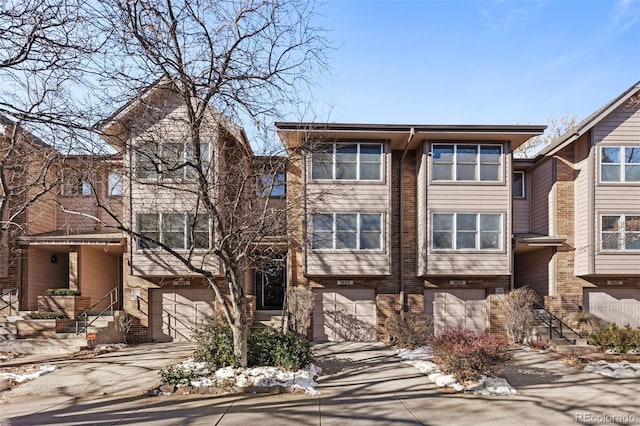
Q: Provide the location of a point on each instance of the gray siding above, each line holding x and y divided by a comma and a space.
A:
583, 212
421, 204
541, 186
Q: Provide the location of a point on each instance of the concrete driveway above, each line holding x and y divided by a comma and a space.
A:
362, 384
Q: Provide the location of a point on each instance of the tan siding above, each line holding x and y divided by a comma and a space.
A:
41, 217
584, 213
521, 216
421, 199
98, 274
159, 264
541, 185
532, 269
42, 274
475, 263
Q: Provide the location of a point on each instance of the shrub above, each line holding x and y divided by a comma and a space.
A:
299, 305
61, 292
617, 339
516, 310
539, 345
178, 375
215, 344
47, 315
410, 329
468, 354
584, 323
268, 346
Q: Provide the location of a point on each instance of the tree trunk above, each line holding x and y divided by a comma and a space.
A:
240, 331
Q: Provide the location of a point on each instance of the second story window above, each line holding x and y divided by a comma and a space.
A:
346, 231
169, 160
620, 164
620, 232
465, 162
466, 231
272, 185
75, 184
178, 231
519, 185
344, 161
115, 183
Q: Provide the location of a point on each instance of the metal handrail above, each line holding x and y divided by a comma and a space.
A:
10, 291
113, 299
552, 317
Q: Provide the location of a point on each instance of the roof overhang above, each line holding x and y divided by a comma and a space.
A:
115, 238
528, 242
401, 136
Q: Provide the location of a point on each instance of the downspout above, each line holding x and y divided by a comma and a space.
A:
403, 296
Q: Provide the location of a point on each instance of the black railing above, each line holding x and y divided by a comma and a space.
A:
548, 319
8, 300
84, 317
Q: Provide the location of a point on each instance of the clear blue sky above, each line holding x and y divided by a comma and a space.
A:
476, 62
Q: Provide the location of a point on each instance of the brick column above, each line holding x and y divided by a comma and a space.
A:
74, 272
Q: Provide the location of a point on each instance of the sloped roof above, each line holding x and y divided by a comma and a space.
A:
583, 126
6, 122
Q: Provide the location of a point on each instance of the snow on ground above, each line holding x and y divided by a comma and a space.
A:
303, 379
421, 359
617, 370
29, 374
109, 347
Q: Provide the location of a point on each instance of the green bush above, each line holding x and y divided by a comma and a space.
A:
61, 292
410, 329
47, 315
177, 375
468, 354
617, 339
215, 344
268, 346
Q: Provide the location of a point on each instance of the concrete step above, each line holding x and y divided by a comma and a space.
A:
572, 349
44, 346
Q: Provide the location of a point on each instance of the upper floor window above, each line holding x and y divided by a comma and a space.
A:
344, 161
75, 184
466, 231
115, 183
620, 232
346, 231
620, 164
272, 185
169, 160
519, 185
178, 231
465, 162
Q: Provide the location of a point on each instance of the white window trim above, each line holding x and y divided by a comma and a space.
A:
185, 231
524, 185
478, 233
334, 233
478, 164
621, 234
334, 145
621, 165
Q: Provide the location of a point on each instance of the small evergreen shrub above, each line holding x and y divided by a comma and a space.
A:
268, 346
178, 376
617, 339
61, 292
47, 315
410, 329
215, 344
468, 354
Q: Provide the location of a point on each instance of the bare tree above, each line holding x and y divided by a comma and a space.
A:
556, 127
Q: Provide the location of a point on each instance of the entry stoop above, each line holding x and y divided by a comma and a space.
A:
264, 319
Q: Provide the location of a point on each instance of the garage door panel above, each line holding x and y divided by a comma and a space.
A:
621, 305
345, 314
458, 308
177, 312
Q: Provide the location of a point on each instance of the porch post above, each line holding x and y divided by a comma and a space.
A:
74, 276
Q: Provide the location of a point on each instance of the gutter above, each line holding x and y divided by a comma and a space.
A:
403, 296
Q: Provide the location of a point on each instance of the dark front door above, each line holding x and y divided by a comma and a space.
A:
270, 287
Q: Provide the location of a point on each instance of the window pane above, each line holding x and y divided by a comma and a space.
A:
198, 231
632, 173
466, 172
490, 154
610, 173
610, 223
346, 222
370, 241
465, 240
322, 240
632, 224
442, 240
611, 155
518, 185
115, 183
370, 153
610, 241
632, 241
489, 172
442, 172
146, 160
148, 226
322, 222
490, 222
490, 240
346, 240
173, 230
370, 222
442, 222
172, 161
370, 171
346, 170
322, 165
346, 161
466, 222
467, 154
442, 154
86, 188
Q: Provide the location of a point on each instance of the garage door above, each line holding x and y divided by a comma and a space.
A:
176, 312
345, 314
459, 308
620, 305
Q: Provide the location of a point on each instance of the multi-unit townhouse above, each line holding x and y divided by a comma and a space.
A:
375, 218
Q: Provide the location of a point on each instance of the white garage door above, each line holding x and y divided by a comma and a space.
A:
459, 308
176, 312
620, 305
345, 314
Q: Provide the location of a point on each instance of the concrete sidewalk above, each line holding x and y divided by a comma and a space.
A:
362, 384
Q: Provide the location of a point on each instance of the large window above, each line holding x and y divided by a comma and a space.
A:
346, 231
272, 185
75, 184
620, 164
178, 231
115, 183
342, 161
175, 161
465, 162
620, 232
519, 185
466, 231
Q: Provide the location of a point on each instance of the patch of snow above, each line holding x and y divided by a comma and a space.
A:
303, 379
109, 347
421, 359
616, 370
26, 376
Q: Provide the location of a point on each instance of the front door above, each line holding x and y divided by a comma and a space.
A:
270, 287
